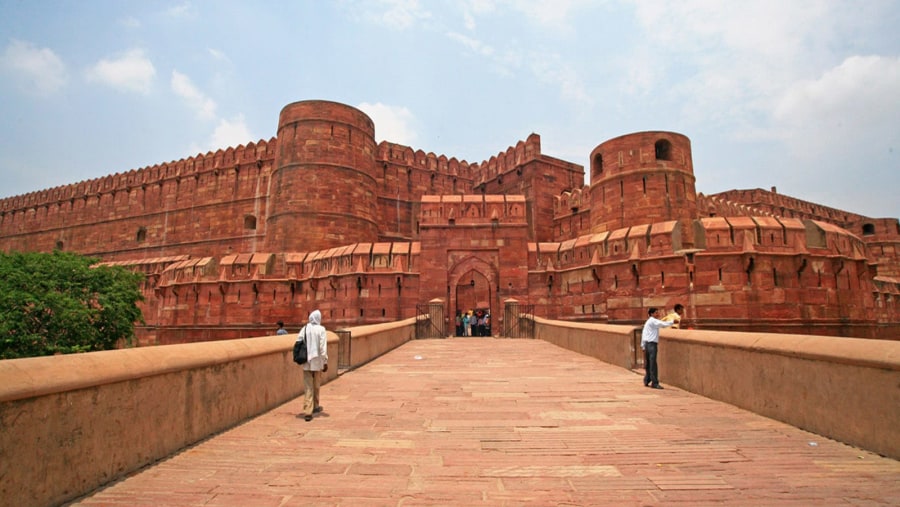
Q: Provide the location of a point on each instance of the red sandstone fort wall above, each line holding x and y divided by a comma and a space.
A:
209, 203
324, 218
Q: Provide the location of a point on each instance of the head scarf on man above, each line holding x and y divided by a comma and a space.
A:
316, 351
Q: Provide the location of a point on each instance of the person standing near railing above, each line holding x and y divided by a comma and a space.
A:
650, 346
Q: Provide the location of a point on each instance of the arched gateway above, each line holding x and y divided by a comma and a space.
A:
473, 283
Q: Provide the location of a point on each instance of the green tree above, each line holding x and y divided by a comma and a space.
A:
57, 303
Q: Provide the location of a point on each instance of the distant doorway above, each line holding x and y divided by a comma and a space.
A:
473, 298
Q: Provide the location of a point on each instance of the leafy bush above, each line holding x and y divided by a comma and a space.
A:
56, 303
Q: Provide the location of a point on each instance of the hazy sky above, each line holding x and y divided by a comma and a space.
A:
804, 96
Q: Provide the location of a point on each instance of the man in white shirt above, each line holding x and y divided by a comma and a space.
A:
316, 363
650, 345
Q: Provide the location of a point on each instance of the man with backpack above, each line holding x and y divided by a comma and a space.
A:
316, 362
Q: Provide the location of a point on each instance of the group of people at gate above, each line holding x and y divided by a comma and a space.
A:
473, 323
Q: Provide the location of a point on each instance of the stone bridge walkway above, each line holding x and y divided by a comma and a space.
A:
481, 421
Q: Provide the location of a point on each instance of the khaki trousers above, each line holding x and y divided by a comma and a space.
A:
311, 382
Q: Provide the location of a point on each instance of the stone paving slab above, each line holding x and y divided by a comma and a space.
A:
494, 422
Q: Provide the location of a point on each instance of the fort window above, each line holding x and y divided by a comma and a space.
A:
250, 222
663, 150
597, 166
141, 234
644, 181
59, 245
868, 229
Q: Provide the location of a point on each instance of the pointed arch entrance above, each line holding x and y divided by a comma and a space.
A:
473, 283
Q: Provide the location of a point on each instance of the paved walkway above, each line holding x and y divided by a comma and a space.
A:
508, 422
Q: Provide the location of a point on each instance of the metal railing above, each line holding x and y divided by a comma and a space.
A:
521, 324
428, 324
344, 356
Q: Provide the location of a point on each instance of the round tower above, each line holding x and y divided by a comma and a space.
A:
642, 178
323, 189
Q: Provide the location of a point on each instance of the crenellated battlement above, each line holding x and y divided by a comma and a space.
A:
402, 155
157, 174
786, 206
505, 161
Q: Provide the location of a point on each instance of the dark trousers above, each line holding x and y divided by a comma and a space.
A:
651, 371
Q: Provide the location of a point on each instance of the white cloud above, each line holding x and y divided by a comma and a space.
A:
554, 14
473, 44
853, 106
182, 10
230, 133
130, 22
184, 88
36, 70
131, 72
473, 8
218, 55
554, 70
396, 124
397, 14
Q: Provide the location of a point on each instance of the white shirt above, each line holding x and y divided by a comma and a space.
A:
316, 342
651, 330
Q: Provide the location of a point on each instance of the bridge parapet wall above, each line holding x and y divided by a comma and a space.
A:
841, 388
75, 422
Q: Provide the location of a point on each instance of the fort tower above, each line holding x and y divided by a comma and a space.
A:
323, 192
642, 178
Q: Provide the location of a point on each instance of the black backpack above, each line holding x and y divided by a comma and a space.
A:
300, 348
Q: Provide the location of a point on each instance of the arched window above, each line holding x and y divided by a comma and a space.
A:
141, 234
868, 229
663, 150
250, 222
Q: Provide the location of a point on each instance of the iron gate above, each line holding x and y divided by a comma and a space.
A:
344, 357
520, 322
430, 322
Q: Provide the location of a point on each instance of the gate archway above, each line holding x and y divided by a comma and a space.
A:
473, 284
